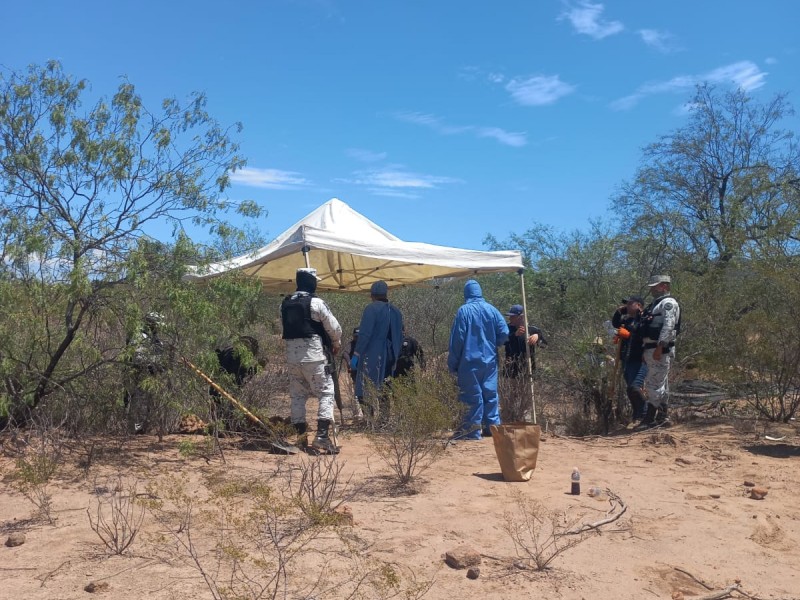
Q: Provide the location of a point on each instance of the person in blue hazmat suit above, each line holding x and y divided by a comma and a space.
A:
478, 329
380, 339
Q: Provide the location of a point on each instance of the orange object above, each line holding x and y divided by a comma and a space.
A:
623, 333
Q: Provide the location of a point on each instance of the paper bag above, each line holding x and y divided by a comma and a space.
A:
517, 448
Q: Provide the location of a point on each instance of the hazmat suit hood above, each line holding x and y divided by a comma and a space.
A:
472, 290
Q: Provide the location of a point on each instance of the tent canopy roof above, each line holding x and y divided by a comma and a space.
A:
350, 252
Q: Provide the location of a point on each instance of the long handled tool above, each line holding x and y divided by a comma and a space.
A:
334, 372
275, 442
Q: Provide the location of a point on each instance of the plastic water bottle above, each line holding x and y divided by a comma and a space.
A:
576, 482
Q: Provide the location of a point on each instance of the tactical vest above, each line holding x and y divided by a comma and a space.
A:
296, 318
655, 323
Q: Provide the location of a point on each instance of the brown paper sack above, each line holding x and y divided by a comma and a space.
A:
517, 448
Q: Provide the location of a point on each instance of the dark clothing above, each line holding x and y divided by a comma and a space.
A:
631, 353
353, 372
411, 355
296, 318
146, 363
380, 336
515, 351
230, 361
631, 349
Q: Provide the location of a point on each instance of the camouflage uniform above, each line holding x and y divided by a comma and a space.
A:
656, 383
306, 362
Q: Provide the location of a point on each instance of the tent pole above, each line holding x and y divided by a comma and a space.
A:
306, 250
527, 346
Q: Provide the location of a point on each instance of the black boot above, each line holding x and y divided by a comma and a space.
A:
301, 441
323, 443
662, 417
637, 402
649, 419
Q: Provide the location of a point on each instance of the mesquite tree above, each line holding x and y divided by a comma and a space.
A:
82, 187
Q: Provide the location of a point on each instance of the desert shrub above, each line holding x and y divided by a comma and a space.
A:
263, 545
117, 517
419, 407
36, 468
539, 534
318, 487
515, 398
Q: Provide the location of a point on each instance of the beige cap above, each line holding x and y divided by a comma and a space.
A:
656, 279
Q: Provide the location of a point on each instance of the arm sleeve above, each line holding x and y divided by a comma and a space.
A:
616, 320
396, 331
501, 328
456, 347
365, 329
671, 316
320, 312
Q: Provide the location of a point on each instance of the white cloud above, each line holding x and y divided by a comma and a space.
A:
393, 193
771, 60
743, 74
469, 73
397, 181
366, 155
432, 122
274, 179
660, 40
395, 176
539, 90
508, 138
586, 19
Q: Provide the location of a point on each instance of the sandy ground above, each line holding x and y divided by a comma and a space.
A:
688, 513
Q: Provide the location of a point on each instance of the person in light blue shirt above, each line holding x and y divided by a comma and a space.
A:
478, 329
380, 338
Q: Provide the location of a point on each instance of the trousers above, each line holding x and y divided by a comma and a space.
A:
306, 379
656, 382
477, 390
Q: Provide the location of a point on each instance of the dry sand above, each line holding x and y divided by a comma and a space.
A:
688, 513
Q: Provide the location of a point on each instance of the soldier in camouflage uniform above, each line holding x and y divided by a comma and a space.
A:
308, 327
147, 363
662, 323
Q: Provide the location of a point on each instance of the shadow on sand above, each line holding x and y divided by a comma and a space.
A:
774, 450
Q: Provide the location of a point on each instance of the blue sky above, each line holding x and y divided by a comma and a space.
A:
441, 120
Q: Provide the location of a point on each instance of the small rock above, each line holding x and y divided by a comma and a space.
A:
758, 493
473, 573
749, 484
344, 515
686, 460
96, 586
677, 595
15, 539
462, 557
716, 496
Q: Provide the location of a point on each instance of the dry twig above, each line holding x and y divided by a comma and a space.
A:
726, 593
696, 579
611, 516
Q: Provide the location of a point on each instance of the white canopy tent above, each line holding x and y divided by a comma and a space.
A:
350, 253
